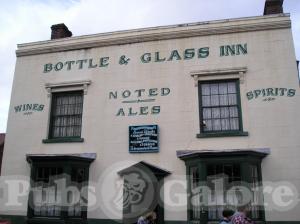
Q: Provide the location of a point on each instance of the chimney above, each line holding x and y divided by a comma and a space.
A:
60, 31
273, 7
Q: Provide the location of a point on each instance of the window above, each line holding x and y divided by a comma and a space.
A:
229, 176
220, 110
225, 176
219, 180
66, 114
225, 182
52, 176
195, 203
47, 195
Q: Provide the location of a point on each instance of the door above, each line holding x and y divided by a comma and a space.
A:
143, 187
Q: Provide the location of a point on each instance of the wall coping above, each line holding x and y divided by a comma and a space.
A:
227, 26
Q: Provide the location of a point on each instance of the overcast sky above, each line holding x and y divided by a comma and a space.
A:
23, 21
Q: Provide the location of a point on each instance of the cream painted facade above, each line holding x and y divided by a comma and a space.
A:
269, 63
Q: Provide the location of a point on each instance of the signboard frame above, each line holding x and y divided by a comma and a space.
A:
153, 139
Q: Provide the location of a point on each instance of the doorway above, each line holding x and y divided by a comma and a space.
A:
143, 191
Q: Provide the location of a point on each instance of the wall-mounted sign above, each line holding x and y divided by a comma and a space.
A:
143, 138
270, 94
29, 108
147, 57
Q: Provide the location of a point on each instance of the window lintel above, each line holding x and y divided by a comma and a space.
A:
68, 86
219, 74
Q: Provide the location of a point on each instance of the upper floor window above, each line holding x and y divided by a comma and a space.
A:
66, 114
66, 109
220, 107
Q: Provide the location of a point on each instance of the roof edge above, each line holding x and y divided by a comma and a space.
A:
278, 21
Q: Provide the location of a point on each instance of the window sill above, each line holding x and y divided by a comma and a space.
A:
63, 140
222, 134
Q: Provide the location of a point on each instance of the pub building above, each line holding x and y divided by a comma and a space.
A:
184, 120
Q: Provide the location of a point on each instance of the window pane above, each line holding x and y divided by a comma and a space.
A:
215, 100
257, 195
223, 88
211, 170
195, 197
214, 89
223, 100
205, 89
225, 124
233, 111
78, 175
194, 172
228, 170
207, 125
66, 114
206, 113
77, 210
219, 169
234, 124
232, 99
231, 87
224, 112
216, 113
236, 172
216, 125
206, 101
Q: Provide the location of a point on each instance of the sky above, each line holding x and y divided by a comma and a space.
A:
23, 21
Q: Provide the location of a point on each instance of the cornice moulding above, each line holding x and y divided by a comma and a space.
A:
280, 21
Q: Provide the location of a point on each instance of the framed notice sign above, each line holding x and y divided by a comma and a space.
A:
143, 138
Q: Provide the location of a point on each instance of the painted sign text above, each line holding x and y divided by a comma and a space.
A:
145, 58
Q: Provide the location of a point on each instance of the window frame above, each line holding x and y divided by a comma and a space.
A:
245, 161
54, 107
65, 162
225, 133
36, 183
65, 87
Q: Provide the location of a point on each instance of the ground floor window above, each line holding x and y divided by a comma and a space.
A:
216, 182
51, 178
220, 179
47, 196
